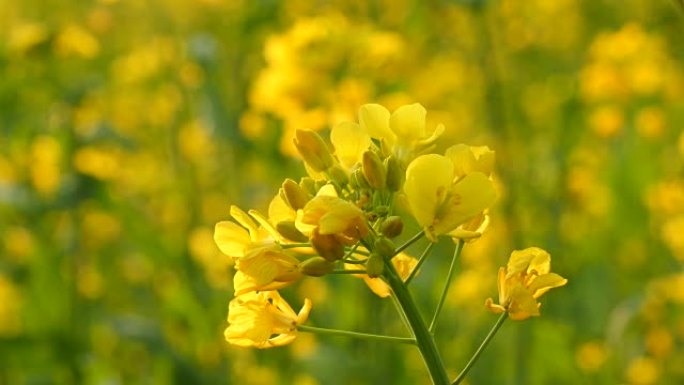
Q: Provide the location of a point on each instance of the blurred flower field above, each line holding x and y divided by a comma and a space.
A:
129, 128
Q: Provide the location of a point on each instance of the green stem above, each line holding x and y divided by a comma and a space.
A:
426, 344
409, 242
350, 271
423, 258
442, 298
482, 347
365, 336
294, 245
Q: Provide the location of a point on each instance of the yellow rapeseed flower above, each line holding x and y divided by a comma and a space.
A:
238, 240
329, 214
266, 269
441, 197
526, 277
263, 320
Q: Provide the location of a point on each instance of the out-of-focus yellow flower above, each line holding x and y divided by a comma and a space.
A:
606, 121
441, 198
238, 241
10, 308
643, 371
98, 162
265, 269
526, 277
46, 154
76, 40
25, 36
263, 320
404, 130
591, 356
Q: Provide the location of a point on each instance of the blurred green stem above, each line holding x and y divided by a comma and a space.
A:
426, 344
482, 347
440, 304
422, 259
365, 336
409, 242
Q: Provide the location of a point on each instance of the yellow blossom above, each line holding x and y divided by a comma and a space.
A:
265, 269
350, 142
526, 277
331, 215
238, 240
263, 320
441, 198
403, 131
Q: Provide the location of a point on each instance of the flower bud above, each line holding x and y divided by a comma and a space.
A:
358, 180
313, 150
308, 185
327, 246
316, 267
337, 174
384, 247
375, 265
395, 174
392, 226
288, 230
294, 195
374, 170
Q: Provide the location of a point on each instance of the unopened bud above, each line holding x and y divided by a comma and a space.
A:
384, 247
316, 267
392, 226
358, 180
374, 170
395, 174
308, 185
288, 230
295, 196
338, 175
375, 265
313, 150
327, 246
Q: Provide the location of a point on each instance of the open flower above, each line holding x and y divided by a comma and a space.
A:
265, 269
328, 214
237, 240
441, 197
403, 131
526, 277
263, 320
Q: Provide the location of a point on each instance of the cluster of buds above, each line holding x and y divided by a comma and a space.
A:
343, 217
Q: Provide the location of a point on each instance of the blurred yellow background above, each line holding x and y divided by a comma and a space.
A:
128, 127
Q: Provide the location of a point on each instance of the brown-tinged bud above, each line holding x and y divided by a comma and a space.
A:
375, 265
374, 170
358, 180
288, 230
316, 267
327, 246
381, 210
308, 185
295, 196
313, 150
337, 174
384, 247
395, 174
392, 226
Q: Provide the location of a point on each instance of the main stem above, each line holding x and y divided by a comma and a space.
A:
424, 340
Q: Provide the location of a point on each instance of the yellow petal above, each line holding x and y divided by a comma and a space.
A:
546, 282
427, 180
469, 197
265, 225
242, 218
408, 123
350, 141
374, 119
231, 238
521, 261
522, 303
279, 211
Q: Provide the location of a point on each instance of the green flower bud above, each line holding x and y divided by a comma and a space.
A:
392, 226
395, 174
384, 247
313, 150
337, 174
294, 195
316, 267
375, 265
358, 180
374, 170
308, 185
288, 230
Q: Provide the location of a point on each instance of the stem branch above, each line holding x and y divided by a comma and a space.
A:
482, 347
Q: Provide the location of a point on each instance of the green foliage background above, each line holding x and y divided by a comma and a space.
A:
127, 128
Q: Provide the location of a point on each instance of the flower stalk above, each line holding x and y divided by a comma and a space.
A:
347, 333
483, 345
